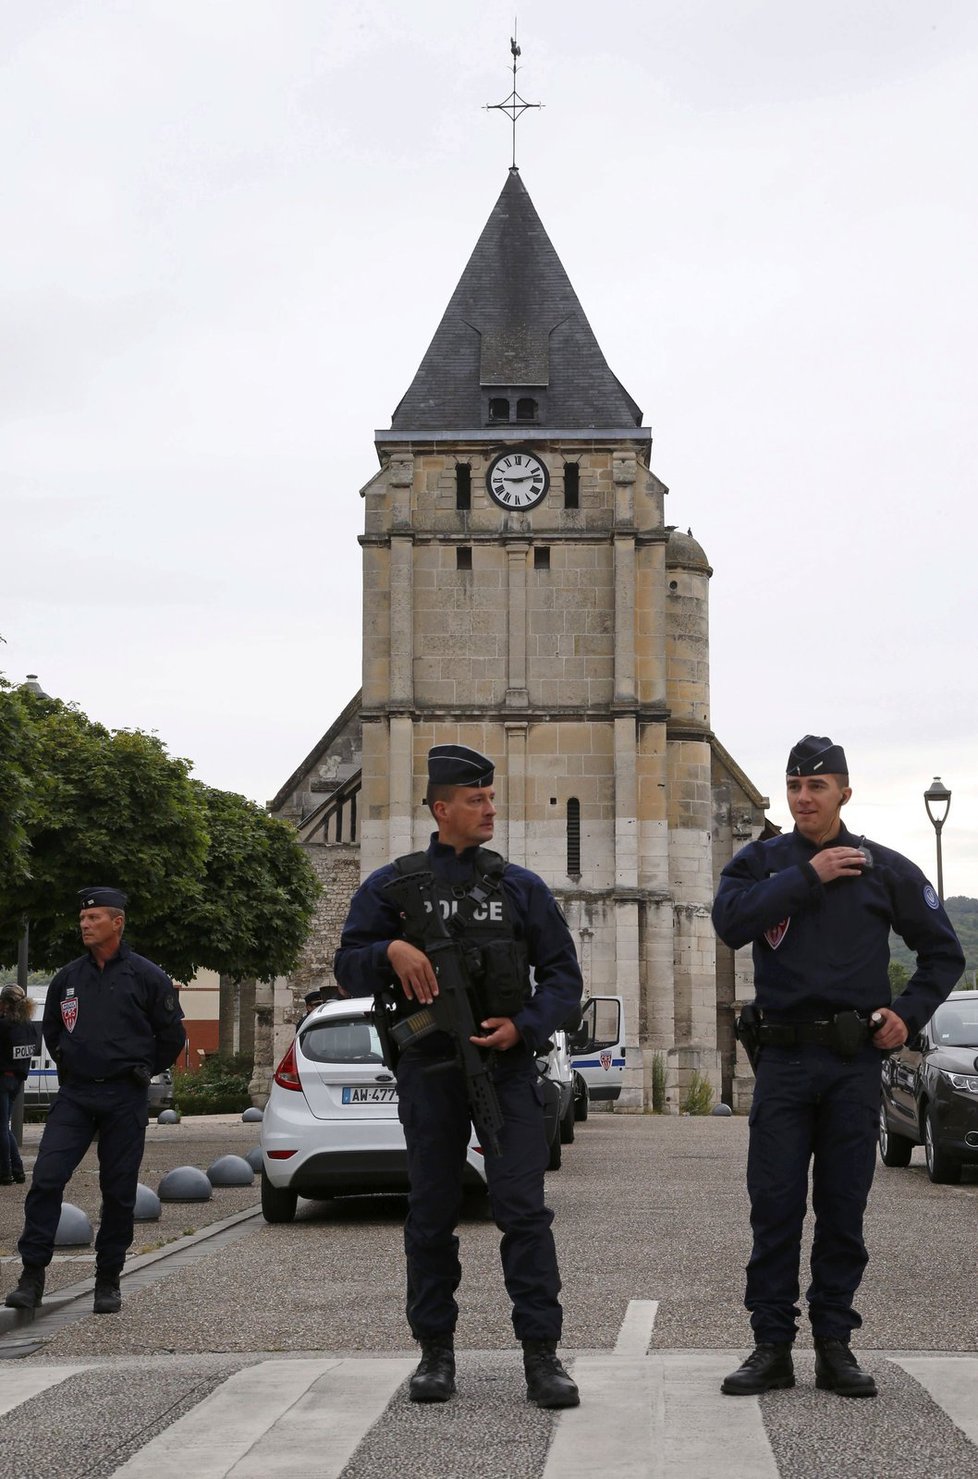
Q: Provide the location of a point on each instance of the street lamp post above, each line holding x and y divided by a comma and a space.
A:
938, 795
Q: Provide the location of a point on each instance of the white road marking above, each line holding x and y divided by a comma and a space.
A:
21, 1383
654, 1417
275, 1418
635, 1335
952, 1382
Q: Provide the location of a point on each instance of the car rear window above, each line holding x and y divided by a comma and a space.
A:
342, 1042
956, 1024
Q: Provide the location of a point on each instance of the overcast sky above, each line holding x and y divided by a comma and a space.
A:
228, 230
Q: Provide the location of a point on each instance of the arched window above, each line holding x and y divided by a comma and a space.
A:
526, 408
574, 837
498, 408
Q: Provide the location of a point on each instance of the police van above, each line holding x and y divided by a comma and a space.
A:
602, 1066
41, 1084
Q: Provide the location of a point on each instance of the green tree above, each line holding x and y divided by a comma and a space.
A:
252, 912
18, 760
101, 807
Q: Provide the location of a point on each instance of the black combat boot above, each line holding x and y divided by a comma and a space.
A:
837, 1370
30, 1289
434, 1380
767, 1369
108, 1296
547, 1383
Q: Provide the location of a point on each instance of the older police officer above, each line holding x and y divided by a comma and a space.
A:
111, 1020
818, 904
433, 1106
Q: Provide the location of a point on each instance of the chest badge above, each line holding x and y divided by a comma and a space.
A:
69, 1013
776, 935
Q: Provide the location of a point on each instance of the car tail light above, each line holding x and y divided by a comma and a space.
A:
280, 1155
287, 1074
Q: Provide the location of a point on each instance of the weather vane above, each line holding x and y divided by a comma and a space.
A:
514, 105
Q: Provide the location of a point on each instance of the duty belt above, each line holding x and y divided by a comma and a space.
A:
846, 1032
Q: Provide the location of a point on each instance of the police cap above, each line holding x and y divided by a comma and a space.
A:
102, 898
312, 997
457, 765
815, 754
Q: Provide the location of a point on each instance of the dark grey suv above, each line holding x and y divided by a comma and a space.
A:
930, 1092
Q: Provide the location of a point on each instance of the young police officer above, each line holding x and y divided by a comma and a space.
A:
818, 905
520, 912
111, 1020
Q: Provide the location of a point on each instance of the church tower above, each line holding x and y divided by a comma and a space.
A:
523, 594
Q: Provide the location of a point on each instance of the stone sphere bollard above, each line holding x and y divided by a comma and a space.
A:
230, 1170
721, 1109
185, 1184
252, 1116
74, 1228
167, 1117
254, 1158
147, 1208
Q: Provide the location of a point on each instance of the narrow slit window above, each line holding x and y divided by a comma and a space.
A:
574, 837
463, 557
463, 485
572, 485
541, 557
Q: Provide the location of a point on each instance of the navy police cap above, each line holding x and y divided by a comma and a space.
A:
815, 754
102, 898
457, 765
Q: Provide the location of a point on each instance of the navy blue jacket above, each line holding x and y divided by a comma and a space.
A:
99, 1024
824, 948
18, 1045
361, 964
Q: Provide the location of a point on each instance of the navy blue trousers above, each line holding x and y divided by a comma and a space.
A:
117, 1114
813, 1108
10, 1160
434, 1111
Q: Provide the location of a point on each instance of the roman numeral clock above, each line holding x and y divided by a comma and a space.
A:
517, 480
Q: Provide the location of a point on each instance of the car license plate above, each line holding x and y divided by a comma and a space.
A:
369, 1094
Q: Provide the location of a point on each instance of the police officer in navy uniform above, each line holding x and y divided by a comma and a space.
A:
817, 904
111, 1020
18, 1045
434, 1108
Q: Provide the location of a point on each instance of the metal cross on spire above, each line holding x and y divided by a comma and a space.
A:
514, 105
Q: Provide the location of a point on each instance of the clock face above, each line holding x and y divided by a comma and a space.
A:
517, 480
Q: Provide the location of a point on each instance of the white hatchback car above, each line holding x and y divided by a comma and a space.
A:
330, 1126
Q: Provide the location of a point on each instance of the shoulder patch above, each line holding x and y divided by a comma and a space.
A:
170, 1001
930, 896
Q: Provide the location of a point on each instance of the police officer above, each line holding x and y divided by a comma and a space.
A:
434, 1108
312, 999
111, 1020
817, 904
18, 1044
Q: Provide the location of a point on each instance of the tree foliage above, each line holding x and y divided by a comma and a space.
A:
212, 880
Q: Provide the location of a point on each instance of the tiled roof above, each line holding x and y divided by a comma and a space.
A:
514, 322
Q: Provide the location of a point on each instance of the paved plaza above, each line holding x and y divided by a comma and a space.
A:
246, 1350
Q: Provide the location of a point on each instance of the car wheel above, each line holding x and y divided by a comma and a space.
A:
278, 1203
895, 1150
567, 1123
941, 1167
556, 1148
582, 1098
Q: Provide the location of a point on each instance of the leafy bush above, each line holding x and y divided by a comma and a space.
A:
699, 1095
219, 1086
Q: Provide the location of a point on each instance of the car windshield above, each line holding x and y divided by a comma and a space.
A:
955, 1024
341, 1041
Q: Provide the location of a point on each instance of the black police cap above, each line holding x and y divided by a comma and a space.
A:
457, 765
312, 996
102, 898
815, 754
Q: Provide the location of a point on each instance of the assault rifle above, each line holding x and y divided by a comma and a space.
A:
451, 1010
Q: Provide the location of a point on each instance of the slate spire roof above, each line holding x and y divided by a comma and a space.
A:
514, 323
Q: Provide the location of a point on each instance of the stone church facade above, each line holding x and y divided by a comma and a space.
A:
524, 594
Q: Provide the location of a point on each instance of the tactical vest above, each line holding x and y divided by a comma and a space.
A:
481, 915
